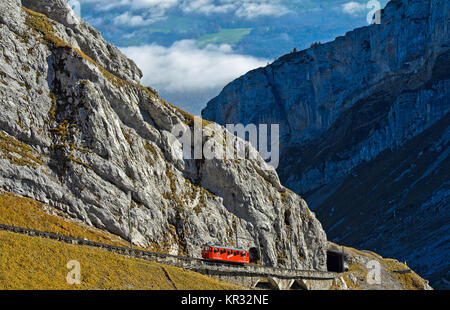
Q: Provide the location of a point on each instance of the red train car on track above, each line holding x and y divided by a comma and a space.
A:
225, 254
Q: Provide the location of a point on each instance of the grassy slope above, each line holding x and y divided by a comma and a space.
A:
389, 267
37, 263
28, 213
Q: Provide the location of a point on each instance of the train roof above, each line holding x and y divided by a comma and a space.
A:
224, 247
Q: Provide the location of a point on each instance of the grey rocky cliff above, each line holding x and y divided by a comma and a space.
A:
365, 131
78, 132
88, 39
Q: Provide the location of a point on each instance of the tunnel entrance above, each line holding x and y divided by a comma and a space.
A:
335, 261
254, 256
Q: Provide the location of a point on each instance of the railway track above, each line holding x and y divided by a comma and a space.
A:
109, 247
191, 263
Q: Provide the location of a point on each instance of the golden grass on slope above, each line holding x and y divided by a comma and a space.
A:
28, 213
37, 263
17, 152
409, 281
358, 271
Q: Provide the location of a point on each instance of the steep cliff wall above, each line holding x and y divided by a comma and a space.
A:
78, 132
364, 122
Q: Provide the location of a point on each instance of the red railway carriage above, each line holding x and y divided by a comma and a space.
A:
221, 253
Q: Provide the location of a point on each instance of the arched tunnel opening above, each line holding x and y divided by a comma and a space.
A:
255, 258
335, 262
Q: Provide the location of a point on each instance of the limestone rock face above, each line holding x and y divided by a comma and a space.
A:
364, 124
78, 132
88, 39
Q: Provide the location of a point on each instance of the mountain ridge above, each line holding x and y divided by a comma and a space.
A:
343, 106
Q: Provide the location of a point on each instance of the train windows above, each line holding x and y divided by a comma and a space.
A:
216, 251
236, 253
228, 252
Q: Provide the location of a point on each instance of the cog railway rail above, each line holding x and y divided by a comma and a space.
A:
204, 266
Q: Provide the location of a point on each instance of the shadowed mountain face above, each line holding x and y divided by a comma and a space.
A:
365, 132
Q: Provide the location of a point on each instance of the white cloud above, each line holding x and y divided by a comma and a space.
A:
106, 5
126, 19
183, 67
206, 7
252, 10
354, 8
241, 8
164, 4
136, 13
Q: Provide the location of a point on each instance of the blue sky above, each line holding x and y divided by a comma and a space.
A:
190, 49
